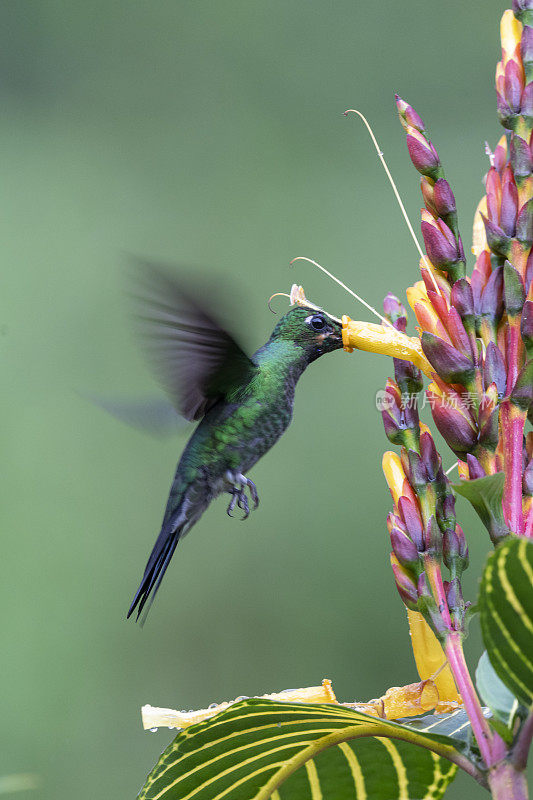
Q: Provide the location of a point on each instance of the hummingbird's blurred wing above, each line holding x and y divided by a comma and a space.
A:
196, 360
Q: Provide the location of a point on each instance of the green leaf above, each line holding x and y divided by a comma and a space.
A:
494, 693
506, 614
485, 495
259, 749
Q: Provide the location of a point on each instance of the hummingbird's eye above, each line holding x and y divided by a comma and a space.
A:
317, 322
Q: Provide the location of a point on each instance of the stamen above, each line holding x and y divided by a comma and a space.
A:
277, 294
396, 194
453, 466
360, 299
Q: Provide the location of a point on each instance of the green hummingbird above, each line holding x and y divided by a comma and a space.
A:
244, 403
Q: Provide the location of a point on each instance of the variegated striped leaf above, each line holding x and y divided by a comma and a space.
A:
259, 749
506, 611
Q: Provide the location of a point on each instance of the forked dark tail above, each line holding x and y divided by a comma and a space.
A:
155, 569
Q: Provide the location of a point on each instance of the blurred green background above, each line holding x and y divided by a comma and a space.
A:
207, 134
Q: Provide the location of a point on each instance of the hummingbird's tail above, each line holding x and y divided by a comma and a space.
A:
174, 527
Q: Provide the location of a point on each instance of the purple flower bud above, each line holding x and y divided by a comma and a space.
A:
450, 548
462, 298
443, 198
408, 115
393, 430
395, 312
423, 155
475, 470
454, 595
409, 379
494, 369
413, 523
406, 587
520, 155
524, 223
440, 251
513, 85
497, 240
492, 297
403, 548
513, 290
430, 457
509, 203
455, 425
451, 365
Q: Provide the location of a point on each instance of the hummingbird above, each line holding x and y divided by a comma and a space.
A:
243, 403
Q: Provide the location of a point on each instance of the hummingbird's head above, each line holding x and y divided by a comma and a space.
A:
311, 329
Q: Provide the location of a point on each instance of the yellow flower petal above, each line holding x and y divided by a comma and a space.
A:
479, 237
154, 717
394, 474
385, 340
511, 34
430, 658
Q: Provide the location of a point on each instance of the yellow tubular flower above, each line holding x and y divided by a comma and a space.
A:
430, 660
416, 293
154, 717
511, 36
479, 236
385, 340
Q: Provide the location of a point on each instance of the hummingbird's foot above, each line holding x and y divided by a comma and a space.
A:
238, 491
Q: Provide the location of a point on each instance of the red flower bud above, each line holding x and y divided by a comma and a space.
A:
441, 251
423, 155
443, 198
475, 470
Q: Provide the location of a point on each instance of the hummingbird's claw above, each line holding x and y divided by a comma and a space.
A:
242, 502
239, 484
232, 503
